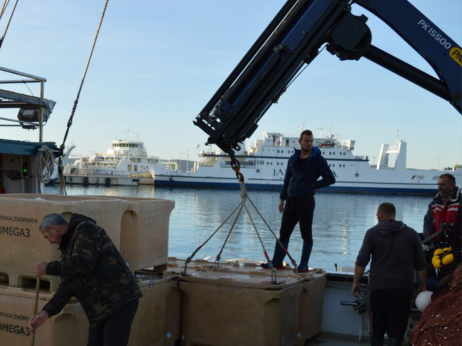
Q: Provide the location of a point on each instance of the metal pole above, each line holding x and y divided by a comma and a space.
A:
42, 87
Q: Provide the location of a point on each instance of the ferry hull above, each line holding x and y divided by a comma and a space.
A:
101, 180
276, 185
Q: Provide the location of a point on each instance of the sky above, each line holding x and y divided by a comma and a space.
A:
157, 63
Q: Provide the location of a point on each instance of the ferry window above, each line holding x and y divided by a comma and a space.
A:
329, 164
333, 165
271, 163
323, 153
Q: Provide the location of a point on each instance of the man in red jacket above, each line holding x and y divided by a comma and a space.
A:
445, 209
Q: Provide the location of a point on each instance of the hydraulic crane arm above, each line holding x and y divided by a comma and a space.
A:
293, 39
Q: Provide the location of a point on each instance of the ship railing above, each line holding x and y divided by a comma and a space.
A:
243, 164
362, 158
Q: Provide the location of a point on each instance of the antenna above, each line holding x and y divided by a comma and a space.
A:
320, 131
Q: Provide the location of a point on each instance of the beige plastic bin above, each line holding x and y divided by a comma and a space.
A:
22, 245
69, 327
311, 305
144, 237
235, 305
157, 321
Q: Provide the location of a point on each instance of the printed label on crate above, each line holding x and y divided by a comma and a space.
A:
8, 324
12, 230
18, 219
15, 231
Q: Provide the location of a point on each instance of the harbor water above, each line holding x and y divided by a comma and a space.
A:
339, 225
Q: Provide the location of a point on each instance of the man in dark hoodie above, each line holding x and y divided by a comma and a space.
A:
300, 184
396, 253
94, 272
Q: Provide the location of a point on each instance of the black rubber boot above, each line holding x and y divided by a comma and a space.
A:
306, 253
278, 256
376, 341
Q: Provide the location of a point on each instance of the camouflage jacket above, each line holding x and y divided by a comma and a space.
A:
92, 270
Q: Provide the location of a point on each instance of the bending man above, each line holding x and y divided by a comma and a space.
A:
94, 272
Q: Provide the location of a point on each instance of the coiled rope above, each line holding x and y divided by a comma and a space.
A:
74, 108
44, 164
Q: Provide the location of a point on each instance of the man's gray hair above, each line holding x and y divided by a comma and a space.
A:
52, 219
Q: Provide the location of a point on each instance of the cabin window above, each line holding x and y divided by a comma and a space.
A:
417, 177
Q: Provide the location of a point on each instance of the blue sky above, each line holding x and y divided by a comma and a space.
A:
157, 63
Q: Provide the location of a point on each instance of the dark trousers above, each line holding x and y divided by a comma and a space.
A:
114, 330
389, 312
298, 209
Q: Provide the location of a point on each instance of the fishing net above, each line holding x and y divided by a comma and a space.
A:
441, 322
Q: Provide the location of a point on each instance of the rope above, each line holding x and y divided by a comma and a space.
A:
217, 260
274, 235
5, 5
242, 205
258, 234
189, 259
74, 108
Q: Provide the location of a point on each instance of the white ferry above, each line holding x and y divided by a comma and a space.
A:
126, 162
263, 166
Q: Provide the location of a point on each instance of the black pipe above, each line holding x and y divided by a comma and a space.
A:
408, 72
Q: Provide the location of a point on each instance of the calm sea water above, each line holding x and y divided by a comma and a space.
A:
340, 221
